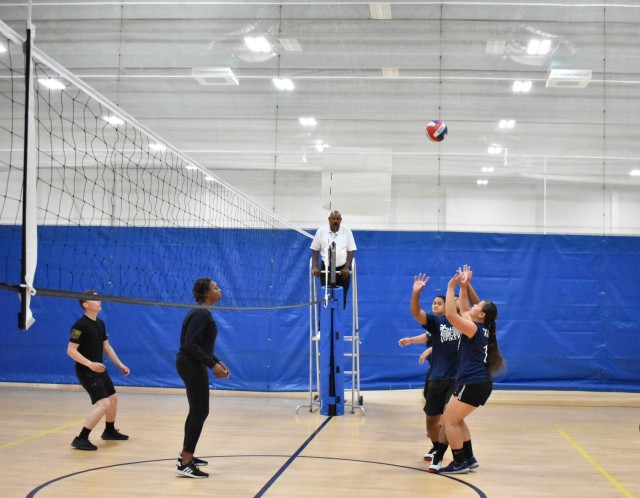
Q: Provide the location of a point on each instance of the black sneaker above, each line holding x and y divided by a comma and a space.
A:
114, 435
198, 462
83, 444
191, 470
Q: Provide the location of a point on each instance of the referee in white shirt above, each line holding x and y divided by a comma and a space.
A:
345, 249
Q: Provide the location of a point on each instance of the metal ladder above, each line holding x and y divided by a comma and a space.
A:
314, 349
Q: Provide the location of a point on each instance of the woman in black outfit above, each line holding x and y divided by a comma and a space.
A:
195, 357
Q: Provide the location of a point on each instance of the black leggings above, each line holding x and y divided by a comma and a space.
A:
196, 380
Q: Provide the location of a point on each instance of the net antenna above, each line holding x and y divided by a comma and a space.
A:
107, 204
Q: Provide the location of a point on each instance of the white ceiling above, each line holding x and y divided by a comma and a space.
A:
453, 60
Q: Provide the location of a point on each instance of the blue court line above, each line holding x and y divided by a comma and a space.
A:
292, 458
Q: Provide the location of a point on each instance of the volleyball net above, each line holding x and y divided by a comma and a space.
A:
108, 205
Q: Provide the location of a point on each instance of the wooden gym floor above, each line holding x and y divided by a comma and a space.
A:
529, 444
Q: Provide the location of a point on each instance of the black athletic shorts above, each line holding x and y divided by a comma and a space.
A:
438, 393
98, 385
474, 394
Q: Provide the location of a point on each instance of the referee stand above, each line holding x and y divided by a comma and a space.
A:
330, 348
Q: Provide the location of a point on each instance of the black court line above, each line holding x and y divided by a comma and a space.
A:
292, 458
275, 477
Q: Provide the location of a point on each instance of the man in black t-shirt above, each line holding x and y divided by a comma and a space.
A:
87, 344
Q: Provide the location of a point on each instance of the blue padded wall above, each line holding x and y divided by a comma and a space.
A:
569, 318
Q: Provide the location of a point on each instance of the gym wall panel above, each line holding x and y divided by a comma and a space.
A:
569, 309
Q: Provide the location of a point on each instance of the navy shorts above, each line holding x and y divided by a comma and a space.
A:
474, 394
98, 385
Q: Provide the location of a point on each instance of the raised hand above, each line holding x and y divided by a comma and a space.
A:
419, 282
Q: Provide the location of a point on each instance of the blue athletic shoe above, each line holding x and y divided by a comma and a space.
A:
473, 463
455, 468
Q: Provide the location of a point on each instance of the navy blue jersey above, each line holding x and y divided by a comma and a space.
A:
444, 340
472, 367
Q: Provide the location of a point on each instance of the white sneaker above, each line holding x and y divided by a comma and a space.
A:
434, 468
428, 456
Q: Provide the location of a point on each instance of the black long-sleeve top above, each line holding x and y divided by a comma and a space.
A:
198, 337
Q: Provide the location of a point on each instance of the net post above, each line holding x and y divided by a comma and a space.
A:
29, 197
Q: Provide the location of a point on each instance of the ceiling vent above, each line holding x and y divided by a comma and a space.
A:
214, 76
568, 78
496, 46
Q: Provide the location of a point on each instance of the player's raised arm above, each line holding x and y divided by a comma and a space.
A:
464, 325
417, 312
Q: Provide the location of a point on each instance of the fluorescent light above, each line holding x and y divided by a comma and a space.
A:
494, 149
284, 84
3, 49
113, 120
521, 86
209, 178
157, 147
538, 47
634, 172
487, 169
52, 83
291, 44
545, 46
506, 123
257, 44
307, 121
191, 166
482, 181
390, 72
380, 10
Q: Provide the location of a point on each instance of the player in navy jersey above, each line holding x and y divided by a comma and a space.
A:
444, 337
478, 359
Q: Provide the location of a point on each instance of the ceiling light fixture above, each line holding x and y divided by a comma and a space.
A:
309, 121
52, 83
113, 120
284, 84
482, 181
538, 47
156, 147
634, 172
380, 10
506, 123
521, 86
494, 149
290, 44
257, 44
487, 169
390, 72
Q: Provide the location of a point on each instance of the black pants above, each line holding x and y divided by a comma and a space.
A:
341, 281
196, 380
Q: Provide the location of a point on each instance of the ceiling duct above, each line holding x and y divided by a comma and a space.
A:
214, 76
568, 78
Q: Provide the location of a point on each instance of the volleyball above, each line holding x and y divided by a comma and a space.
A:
437, 130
